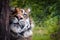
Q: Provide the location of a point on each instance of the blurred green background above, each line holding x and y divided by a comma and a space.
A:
45, 14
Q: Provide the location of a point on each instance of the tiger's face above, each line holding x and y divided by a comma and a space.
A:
18, 15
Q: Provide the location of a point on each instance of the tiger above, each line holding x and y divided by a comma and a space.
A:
21, 24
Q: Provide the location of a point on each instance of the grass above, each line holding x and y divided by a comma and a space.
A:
40, 34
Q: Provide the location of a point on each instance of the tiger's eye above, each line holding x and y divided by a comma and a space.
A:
25, 14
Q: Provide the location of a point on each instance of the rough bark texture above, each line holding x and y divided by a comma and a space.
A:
4, 19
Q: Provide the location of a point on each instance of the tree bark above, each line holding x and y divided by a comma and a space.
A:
4, 19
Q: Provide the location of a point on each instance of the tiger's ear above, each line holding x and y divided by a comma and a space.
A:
28, 10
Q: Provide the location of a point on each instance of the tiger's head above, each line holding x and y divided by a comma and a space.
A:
21, 13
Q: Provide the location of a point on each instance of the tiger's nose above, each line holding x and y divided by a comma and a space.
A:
20, 17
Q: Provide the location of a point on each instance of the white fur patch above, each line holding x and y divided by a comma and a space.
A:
28, 33
14, 28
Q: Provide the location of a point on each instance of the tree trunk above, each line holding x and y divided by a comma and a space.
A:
4, 19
